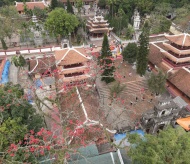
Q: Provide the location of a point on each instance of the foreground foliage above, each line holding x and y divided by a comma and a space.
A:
169, 146
10, 23
17, 115
18, 61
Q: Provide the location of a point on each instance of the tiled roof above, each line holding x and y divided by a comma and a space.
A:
73, 70
99, 30
181, 39
177, 51
71, 56
30, 5
164, 67
74, 78
89, 154
175, 59
180, 79
41, 65
155, 56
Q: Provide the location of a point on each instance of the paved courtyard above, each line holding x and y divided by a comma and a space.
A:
127, 108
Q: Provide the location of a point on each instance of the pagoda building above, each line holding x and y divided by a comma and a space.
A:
177, 52
97, 27
73, 66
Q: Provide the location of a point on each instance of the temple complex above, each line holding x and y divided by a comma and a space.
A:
177, 54
97, 27
73, 66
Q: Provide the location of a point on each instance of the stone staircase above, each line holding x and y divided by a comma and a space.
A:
131, 88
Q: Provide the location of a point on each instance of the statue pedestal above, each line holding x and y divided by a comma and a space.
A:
38, 42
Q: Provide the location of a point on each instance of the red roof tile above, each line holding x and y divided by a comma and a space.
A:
155, 56
71, 56
30, 5
181, 39
41, 65
180, 79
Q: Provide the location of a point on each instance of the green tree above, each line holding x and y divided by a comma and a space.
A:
111, 6
69, 7
165, 24
10, 2
59, 23
102, 4
156, 82
159, 24
105, 62
9, 23
54, 4
18, 61
4, 44
142, 57
144, 6
79, 4
116, 89
120, 16
130, 31
11, 131
169, 146
163, 9
15, 105
130, 53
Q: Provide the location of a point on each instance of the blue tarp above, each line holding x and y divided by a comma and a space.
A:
5, 73
38, 83
29, 95
122, 141
123, 135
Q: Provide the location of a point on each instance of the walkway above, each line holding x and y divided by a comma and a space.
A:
13, 74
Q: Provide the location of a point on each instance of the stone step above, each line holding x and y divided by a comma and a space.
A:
131, 87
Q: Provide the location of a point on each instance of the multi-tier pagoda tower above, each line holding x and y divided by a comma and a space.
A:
97, 27
178, 51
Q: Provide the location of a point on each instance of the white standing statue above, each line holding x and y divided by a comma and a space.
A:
137, 20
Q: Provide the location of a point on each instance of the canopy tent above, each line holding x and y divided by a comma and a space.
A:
184, 122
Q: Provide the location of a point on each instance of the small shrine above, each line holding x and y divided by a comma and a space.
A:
177, 51
97, 27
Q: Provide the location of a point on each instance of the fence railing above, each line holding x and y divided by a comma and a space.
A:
28, 51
